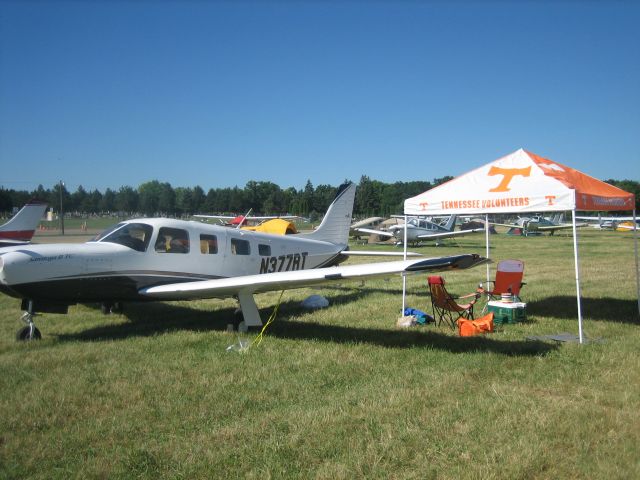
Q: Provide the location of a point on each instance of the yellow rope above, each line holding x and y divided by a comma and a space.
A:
258, 338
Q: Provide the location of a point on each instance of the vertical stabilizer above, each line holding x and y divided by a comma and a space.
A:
22, 226
451, 224
336, 222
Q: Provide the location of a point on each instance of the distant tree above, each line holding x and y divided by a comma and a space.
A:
108, 202
77, 199
6, 203
127, 200
198, 199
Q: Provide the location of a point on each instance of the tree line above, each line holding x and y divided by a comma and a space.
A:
156, 198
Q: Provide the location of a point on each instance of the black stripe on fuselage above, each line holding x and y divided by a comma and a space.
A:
112, 286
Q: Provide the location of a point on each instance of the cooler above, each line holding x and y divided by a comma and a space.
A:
507, 312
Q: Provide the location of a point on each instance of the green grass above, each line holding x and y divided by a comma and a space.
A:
341, 392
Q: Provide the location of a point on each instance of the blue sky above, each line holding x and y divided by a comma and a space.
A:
105, 94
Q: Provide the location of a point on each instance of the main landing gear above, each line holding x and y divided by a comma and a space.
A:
30, 332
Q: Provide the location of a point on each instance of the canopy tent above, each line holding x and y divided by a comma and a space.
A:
525, 182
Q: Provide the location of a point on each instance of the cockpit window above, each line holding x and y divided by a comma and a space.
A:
132, 235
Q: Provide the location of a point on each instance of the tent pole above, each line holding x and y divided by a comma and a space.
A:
575, 255
486, 241
404, 277
635, 247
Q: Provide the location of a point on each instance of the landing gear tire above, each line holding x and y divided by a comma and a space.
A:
28, 333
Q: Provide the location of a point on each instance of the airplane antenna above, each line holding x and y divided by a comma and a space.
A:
243, 219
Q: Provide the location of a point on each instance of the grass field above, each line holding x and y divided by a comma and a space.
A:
339, 393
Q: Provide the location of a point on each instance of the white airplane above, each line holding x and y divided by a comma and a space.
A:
609, 223
419, 229
20, 228
165, 259
240, 220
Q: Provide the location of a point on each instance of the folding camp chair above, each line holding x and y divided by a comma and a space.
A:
445, 307
509, 275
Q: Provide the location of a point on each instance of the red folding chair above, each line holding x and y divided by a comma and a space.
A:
509, 275
445, 307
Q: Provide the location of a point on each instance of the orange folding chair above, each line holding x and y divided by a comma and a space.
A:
445, 307
509, 275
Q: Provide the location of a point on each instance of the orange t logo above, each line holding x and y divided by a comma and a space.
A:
508, 174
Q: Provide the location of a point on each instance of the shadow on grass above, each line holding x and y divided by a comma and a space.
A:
151, 319
598, 309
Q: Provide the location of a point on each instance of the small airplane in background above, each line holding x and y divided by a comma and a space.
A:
277, 225
610, 223
537, 225
420, 229
20, 228
244, 220
164, 259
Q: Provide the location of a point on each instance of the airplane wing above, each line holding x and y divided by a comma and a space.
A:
509, 225
250, 284
546, 228
382, 233
427, 236
229, 217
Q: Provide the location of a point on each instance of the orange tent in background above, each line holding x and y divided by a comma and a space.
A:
525, 182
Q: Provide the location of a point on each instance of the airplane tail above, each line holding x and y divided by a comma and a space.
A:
451, 223
336, 222
21, 227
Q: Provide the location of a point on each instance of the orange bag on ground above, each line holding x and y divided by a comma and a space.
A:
468, 328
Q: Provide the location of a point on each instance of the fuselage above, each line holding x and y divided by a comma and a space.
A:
416, 228
141, 253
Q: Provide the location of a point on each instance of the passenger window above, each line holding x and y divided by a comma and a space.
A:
208, 244
172, 240
240, 247
264, 250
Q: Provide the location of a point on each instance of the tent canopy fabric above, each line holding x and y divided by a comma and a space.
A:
520, 182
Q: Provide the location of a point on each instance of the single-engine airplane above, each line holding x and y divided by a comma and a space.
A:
526, 226
165, 259
20, 228
609, 223
244, 220
420, 229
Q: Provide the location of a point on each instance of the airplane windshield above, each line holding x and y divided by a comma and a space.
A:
132, 235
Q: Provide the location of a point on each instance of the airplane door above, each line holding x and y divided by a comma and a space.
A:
241, 256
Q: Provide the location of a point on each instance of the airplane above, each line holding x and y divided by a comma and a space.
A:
240, 220
166, 259
536, 225
20, 228
610, 223
419, 229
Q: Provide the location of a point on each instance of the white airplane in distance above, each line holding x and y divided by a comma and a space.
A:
164, 259
536, 225
609, 223
20, 228
240, 220
419, 229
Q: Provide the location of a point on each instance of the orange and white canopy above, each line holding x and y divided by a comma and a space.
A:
520, 182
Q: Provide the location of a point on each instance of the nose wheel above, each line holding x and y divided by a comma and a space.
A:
30, 332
